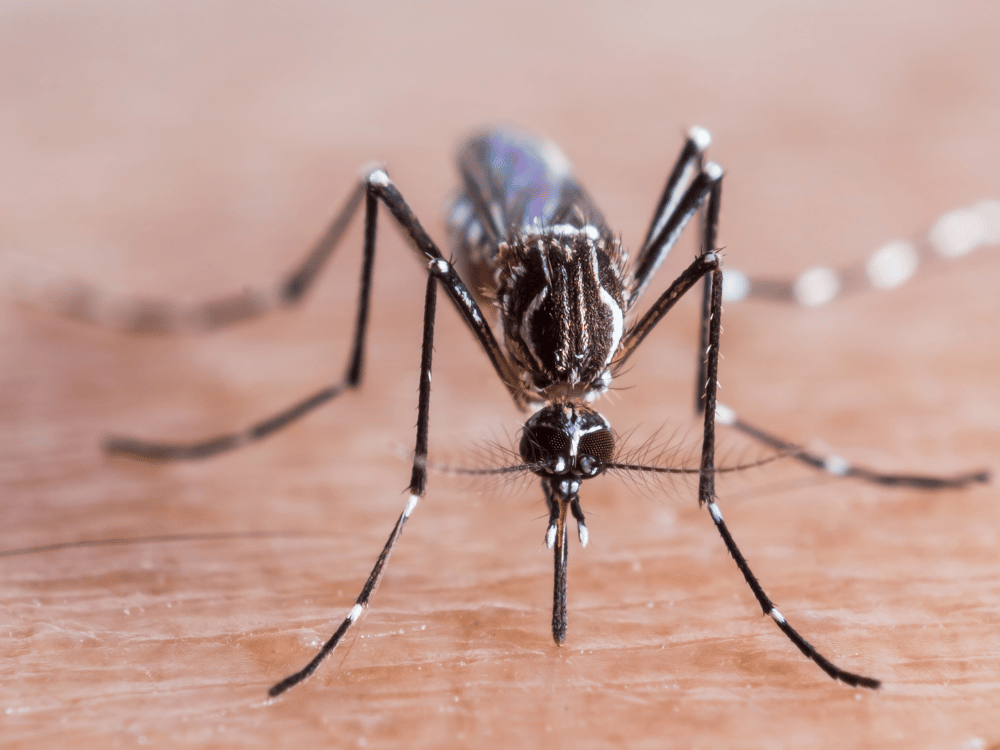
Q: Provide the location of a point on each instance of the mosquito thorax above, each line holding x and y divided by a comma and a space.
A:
561, 299
568, 441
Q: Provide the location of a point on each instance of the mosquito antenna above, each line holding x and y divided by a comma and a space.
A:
682, 470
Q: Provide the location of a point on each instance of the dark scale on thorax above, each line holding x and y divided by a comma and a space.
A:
561, 306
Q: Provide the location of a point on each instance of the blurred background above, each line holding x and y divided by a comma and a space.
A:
179, 151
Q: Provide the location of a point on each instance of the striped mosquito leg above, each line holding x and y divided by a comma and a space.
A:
382, 186
840, 467
297, 283
418, 483
376, 187
359, 607
850, 678
670, 229
697, 141
701, 266
87, 303
143, 450
954, 235
706, 496
709, 236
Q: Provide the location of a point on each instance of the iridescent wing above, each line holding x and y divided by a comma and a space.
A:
515, 181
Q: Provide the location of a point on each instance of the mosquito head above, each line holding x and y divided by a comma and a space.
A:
567, 441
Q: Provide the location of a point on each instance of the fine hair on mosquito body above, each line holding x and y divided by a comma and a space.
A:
551, 296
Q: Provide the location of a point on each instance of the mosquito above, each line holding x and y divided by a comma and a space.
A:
551, 296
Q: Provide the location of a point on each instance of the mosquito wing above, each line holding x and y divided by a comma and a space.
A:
513, 181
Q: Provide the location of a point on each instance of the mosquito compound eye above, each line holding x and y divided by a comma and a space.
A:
596, 449
543, 445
